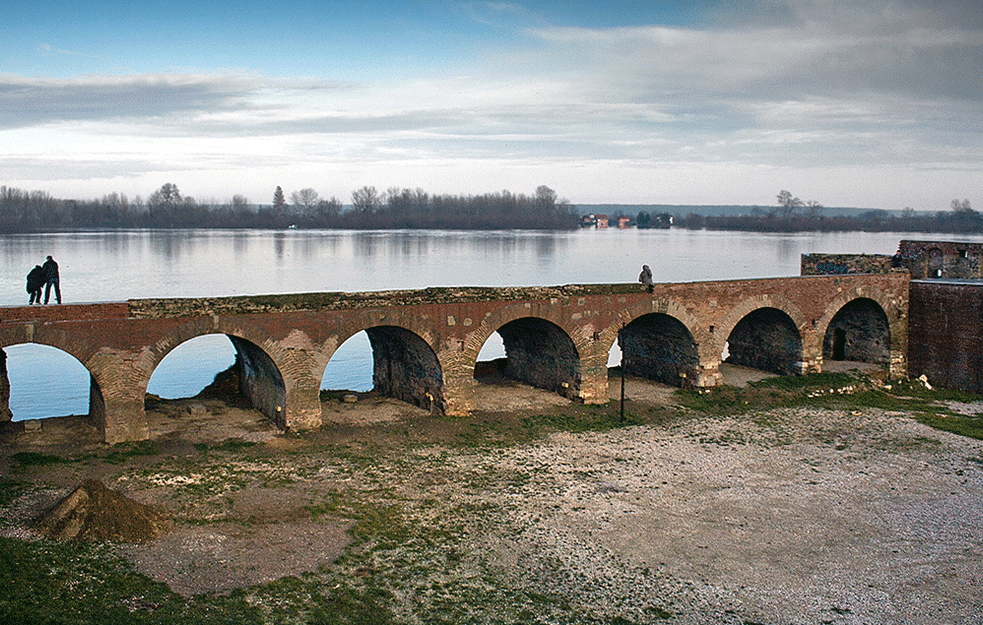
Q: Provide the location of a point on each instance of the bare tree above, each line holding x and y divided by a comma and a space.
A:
366, 199
305, 200
328, 208
787, 204
961, 207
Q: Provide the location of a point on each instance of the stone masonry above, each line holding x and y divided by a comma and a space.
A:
426, 342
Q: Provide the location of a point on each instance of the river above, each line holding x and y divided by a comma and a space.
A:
105, 266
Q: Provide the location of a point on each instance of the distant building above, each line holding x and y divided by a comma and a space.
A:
602, 221
623, 222
588, 221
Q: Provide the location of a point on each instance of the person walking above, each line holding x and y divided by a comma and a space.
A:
35, 282
51, 278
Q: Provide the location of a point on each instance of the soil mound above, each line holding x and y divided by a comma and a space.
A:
94, 513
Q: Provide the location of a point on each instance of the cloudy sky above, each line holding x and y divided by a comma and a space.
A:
873, 103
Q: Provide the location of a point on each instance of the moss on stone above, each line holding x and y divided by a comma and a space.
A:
289, 302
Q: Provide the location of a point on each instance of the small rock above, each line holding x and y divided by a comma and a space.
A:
197, 410
350, 398
32, 425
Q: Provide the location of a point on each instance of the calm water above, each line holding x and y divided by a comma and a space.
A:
118, 265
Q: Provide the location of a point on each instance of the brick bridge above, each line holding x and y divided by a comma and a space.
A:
425, 343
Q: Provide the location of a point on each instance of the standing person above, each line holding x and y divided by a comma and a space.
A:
35, 281
646, 277
50, 268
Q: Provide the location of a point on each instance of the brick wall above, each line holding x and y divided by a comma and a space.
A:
945, 332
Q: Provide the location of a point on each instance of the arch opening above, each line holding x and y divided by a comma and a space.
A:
221, 366
859, 332
405, 367
659, 347
40, 382
538, 353
766, 339
351, 366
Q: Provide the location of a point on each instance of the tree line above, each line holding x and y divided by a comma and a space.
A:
395, 208
792, 215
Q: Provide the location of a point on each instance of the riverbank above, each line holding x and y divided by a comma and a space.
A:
819, 500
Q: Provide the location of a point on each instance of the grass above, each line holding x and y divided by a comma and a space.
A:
37, 459
840, 391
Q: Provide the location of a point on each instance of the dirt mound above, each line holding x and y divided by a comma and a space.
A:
94, 513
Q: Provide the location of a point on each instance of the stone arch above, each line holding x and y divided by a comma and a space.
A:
83, 352
888, 311
706, 370
94, 404
749, 305
260, 358
859, 331
764, 333
541, 349
405, 363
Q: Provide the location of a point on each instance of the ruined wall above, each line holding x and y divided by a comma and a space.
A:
942, 259
946, 334
834, 264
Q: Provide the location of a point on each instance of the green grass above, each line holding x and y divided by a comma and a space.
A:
839, 391
37, 459
123, 452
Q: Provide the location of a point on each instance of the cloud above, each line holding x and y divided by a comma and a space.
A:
28, 101
500, 15
49, 49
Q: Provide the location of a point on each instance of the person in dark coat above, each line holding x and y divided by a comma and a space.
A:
51, 278
35, 282
646, 278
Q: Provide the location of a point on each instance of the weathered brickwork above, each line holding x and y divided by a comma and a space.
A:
426, 343
942, 259
838, 264
946, 334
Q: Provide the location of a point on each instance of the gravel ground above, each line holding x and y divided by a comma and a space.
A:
794, 516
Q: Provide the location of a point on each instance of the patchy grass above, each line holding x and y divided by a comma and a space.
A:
49, 582
11, 489
956, 424
37, 459
230, 445
839, 391
123, 452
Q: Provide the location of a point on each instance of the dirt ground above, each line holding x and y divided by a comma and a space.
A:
808, 516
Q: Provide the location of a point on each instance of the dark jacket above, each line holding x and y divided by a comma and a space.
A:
50, 268
35, 279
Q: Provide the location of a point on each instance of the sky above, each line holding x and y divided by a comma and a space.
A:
865, 103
